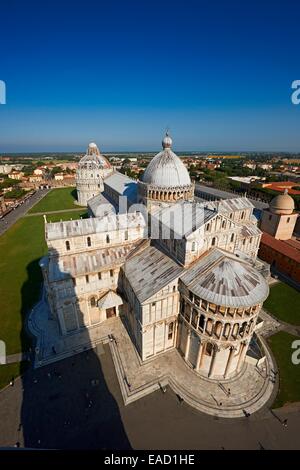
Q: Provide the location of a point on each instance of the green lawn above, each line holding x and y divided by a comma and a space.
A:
56, 200
284, 303
20, 249
8, 371
281, 345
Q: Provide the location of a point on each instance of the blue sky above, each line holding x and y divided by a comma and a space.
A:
217, 73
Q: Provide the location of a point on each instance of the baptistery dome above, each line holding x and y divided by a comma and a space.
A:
166, 169
93, 159
91, 171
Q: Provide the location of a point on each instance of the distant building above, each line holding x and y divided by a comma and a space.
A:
35, 178
39, 171
251, 166
277, 246
265, 166
6, 169
16, 175
245, 181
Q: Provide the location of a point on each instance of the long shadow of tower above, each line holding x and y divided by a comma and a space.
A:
68, 404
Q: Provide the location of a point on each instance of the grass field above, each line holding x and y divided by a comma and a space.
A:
8, 371
281, 345
55, 200
284, 303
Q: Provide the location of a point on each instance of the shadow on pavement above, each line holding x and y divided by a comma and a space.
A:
67, 405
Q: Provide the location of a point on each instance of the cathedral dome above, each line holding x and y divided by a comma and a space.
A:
93, 160
282, 204
166, 170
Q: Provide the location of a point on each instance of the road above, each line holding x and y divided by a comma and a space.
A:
76, 403
20, 211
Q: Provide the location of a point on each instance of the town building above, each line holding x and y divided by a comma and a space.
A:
278, 246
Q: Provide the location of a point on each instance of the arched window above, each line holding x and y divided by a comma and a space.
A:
209, 326
67, 245
126, 234
235, 329
193, 246
243, 328
89, 242
208, 227
243, 215
218, 329
92, 302
107, 238
224, 224
213, 241
227, 330
232, 238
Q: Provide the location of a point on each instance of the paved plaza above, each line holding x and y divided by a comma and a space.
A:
77, 404
246, 393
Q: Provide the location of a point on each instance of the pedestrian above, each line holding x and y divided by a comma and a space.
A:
284, 423
229, 392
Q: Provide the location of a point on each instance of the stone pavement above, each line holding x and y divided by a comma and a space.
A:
249, 391
62, 211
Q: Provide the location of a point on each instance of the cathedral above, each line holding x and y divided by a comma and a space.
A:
181, 272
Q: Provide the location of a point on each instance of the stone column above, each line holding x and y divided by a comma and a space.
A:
178, 334
187, 347
242, 356
230, 358
199, 356
213, 361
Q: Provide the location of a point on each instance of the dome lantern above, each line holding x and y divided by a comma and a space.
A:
167, 141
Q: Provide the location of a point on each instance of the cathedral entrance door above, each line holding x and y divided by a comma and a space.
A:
110, 312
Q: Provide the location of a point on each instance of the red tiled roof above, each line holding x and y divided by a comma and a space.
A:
293, 243
280, 186
281, 246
